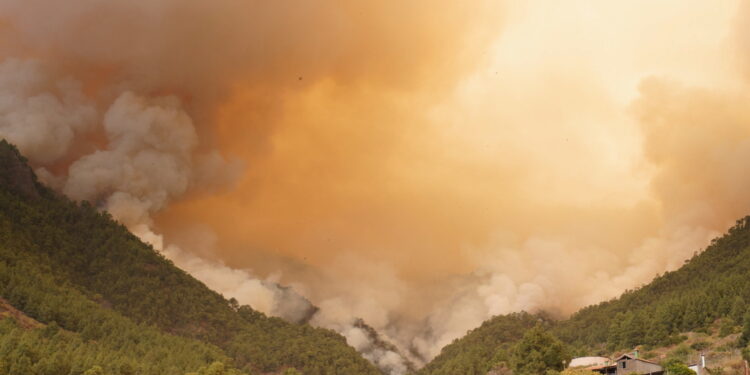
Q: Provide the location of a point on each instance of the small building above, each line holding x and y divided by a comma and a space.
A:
629, 363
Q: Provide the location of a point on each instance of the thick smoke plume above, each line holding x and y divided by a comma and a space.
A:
421, 166
41, 113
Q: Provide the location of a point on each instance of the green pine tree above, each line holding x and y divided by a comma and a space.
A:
537, 352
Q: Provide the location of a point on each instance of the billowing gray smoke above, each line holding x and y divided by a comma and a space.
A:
40, 112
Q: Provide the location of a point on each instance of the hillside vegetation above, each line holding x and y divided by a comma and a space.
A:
483, 347
107, 303
708, 295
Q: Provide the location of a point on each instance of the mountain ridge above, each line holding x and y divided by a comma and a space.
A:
708, 293
77, 250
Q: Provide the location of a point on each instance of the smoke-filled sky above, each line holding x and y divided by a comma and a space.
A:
423, 165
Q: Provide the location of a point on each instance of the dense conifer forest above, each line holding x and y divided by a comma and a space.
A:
97, 300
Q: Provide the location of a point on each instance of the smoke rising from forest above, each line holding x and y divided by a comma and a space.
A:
421, 166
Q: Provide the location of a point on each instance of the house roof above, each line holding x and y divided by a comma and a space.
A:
628, 356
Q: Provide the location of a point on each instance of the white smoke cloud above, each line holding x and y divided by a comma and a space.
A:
262, 294
147, 162
389, 361
370, 295
150, 160
41, 113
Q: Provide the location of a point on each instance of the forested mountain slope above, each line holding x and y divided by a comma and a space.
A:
713, 284
107, 299
710, 291
483, 347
